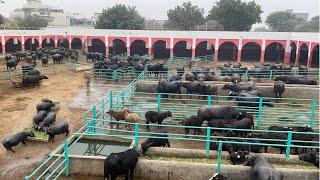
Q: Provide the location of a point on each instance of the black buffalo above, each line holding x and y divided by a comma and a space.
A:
311, 157
207, 113
59, 128
169, 87
122, 163
38, 118
192, 121
48, 120
13, 140
262, 169
279, 88
32, 80
45, 106
159, 140
238, 88
156, 117
12, 63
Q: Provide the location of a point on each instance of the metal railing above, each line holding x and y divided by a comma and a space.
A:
96, 119
51, 69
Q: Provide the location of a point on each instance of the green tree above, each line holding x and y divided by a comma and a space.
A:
120, 17
1, 19
235, 15
185, 17
261, 29
282, 21
35, 22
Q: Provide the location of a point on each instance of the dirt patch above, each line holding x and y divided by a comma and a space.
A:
18, 107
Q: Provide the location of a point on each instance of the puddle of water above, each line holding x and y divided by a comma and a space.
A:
93, 91
97, 147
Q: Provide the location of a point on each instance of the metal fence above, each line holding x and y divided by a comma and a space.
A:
51, 69
96, 121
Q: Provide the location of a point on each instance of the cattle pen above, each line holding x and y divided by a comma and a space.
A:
96, 121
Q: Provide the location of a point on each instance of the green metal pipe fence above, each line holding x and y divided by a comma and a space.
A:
96, 119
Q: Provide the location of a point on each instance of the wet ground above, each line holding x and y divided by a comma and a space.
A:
94, 90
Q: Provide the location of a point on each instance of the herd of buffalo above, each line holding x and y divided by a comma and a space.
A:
216, 116
44, 120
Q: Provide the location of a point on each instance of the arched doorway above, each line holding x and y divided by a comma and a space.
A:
160, 50
48, 43
12, 45
1, 48
303, 58
227, 51
63, 42
315, 57
204, 48
181, 49
251, 52
274, 52
138, 47
76, 44
293, 53
118, 47
31, 44
97, 45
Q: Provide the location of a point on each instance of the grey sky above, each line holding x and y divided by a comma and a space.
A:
156, 9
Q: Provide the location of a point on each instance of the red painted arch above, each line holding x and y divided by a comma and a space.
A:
246, 41
176, 40
303, 42
144, 39
282, 42
6, 38
313, 45
211, 41
153, 40
28, 37
235, 41
102, 38
124, 39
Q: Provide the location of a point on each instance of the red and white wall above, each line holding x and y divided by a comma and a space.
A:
296, 48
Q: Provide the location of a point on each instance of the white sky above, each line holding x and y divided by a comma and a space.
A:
157, 9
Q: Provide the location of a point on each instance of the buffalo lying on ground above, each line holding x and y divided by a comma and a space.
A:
295, 80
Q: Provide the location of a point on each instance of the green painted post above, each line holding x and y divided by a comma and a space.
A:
132, 89
209, 101
103, 107
259, 113
270, 76
27, 178
313, 112
10, 74
208, 141
84, 118
219, 157
66, 157
136, 136
158, 101
246, 75
289, 141
94, 121
110, 100
122, 97
54, 68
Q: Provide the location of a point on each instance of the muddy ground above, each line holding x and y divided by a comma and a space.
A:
17, 109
